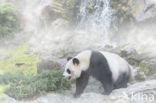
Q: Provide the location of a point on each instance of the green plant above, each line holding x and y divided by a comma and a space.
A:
9, 19
27, 86
144, 68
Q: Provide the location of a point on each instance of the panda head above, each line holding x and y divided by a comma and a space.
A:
72, 69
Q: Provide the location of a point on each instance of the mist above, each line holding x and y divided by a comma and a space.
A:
57, 29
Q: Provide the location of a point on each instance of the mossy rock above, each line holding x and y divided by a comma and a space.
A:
67, 9
148, 66
123, 11
143, 67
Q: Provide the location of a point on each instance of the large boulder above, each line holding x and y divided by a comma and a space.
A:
131, 55
59, 23
50, 13
48, 64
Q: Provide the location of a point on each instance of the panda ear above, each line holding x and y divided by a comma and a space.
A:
68, 58
76, 61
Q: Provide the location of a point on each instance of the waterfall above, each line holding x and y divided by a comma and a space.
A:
95, 18
92, 32
93, 29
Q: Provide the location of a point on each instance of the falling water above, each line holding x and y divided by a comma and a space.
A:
92, 29
96, 21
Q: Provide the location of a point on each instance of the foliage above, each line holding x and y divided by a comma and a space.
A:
19, 55
2, 89
9, 19
26, 86
144, 68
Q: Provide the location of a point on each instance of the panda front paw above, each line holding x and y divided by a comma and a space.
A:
107, 92
76, 95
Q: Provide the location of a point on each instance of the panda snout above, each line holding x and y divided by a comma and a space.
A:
69, 77
66, 76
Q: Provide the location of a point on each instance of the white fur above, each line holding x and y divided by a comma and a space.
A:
117, 64
84, 58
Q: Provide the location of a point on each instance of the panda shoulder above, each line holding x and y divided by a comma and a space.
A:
112, 57
109, 54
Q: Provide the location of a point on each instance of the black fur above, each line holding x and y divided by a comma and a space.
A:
122, 81
68, 58
81, 83
99, 69
76, 61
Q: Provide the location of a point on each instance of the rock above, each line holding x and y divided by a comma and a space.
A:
149, 4
132, 56
128, 51
145, 9
47, 64
19, 64
123, 11
142, 92
149, 11
6, 99
147, 88
140, 76
59, 23
94, 86
153, 76
50, 13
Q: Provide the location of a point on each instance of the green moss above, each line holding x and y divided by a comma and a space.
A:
143, 67
19, 55
3, 88
2, 99
27, 86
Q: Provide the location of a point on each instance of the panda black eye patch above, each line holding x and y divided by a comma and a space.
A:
68, 71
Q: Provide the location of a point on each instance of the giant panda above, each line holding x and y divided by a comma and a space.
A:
110, 69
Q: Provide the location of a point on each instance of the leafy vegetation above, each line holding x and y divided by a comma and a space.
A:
9, 19
19, 58
144, 68
19, 78
26, 86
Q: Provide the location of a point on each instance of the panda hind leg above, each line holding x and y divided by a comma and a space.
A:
107, 84
122, 81
108, 88
81, 84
